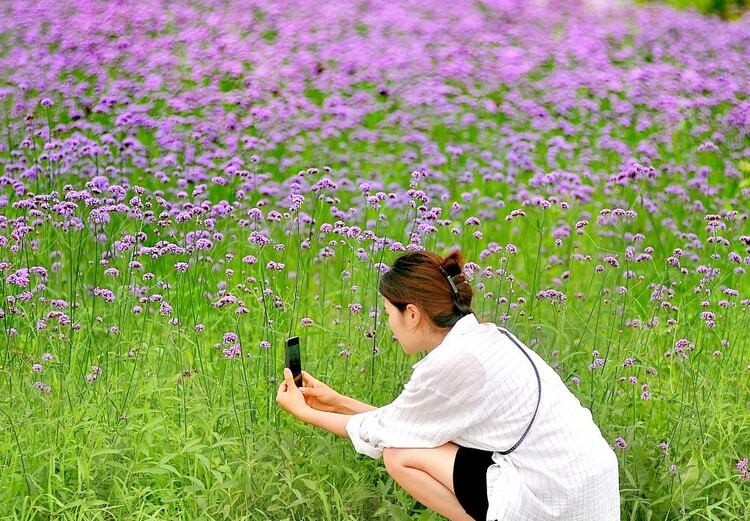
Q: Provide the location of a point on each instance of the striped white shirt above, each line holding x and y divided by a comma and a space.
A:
478, 390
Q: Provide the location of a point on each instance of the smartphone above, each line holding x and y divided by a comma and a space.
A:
293, 361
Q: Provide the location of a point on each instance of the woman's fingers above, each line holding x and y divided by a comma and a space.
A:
311, 392
281, 391
288, 377
310, 386
286, 384
289, 397
308, 379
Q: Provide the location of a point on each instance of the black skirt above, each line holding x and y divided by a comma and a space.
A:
470, 481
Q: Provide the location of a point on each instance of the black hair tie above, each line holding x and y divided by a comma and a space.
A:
450, 280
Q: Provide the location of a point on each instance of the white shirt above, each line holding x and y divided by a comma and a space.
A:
478, 390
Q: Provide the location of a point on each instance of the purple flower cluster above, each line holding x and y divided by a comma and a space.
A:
743, 468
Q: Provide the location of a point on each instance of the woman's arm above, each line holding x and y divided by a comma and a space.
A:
291, 399
321, 397
330, 421
348, 405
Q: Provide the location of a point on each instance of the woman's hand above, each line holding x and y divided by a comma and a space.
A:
318, 395
289, 396
323, 415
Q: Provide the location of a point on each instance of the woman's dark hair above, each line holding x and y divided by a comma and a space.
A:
437, 286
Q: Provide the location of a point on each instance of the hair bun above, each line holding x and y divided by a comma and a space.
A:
453, 264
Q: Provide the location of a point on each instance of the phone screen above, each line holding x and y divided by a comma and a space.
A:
293, 360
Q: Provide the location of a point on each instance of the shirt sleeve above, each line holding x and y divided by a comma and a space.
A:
422, 416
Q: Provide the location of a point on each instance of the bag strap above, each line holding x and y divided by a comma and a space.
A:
539, 394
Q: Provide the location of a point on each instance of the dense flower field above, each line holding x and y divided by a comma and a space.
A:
183, 185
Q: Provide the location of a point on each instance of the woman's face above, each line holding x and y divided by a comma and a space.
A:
404, 327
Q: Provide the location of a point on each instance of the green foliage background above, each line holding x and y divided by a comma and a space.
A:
727, 9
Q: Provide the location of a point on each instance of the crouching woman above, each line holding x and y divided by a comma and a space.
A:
484, 429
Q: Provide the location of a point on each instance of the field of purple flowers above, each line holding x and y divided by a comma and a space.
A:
183, 185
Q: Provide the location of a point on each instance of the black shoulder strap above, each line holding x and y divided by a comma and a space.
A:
539, 394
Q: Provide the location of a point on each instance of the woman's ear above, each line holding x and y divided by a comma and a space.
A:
413, 315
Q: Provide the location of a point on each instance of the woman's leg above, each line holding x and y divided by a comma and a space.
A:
427, 474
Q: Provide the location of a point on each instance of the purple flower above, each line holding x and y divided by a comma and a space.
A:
552, 295
20, 278
204, 244
38, 270
620, 443
37, 368
233, 351
742, 467
106, 294
515, 213
612, 261
46, 389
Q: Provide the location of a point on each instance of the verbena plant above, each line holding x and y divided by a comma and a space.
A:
185, 186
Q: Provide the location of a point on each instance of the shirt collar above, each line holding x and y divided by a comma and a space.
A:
465, 325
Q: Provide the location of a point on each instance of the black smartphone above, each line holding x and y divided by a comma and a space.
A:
293, 360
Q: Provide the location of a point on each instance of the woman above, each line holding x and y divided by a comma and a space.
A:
484, 429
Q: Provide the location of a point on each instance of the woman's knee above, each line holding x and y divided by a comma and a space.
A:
395, 460
438, 462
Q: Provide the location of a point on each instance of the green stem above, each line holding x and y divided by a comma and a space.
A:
20, 452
